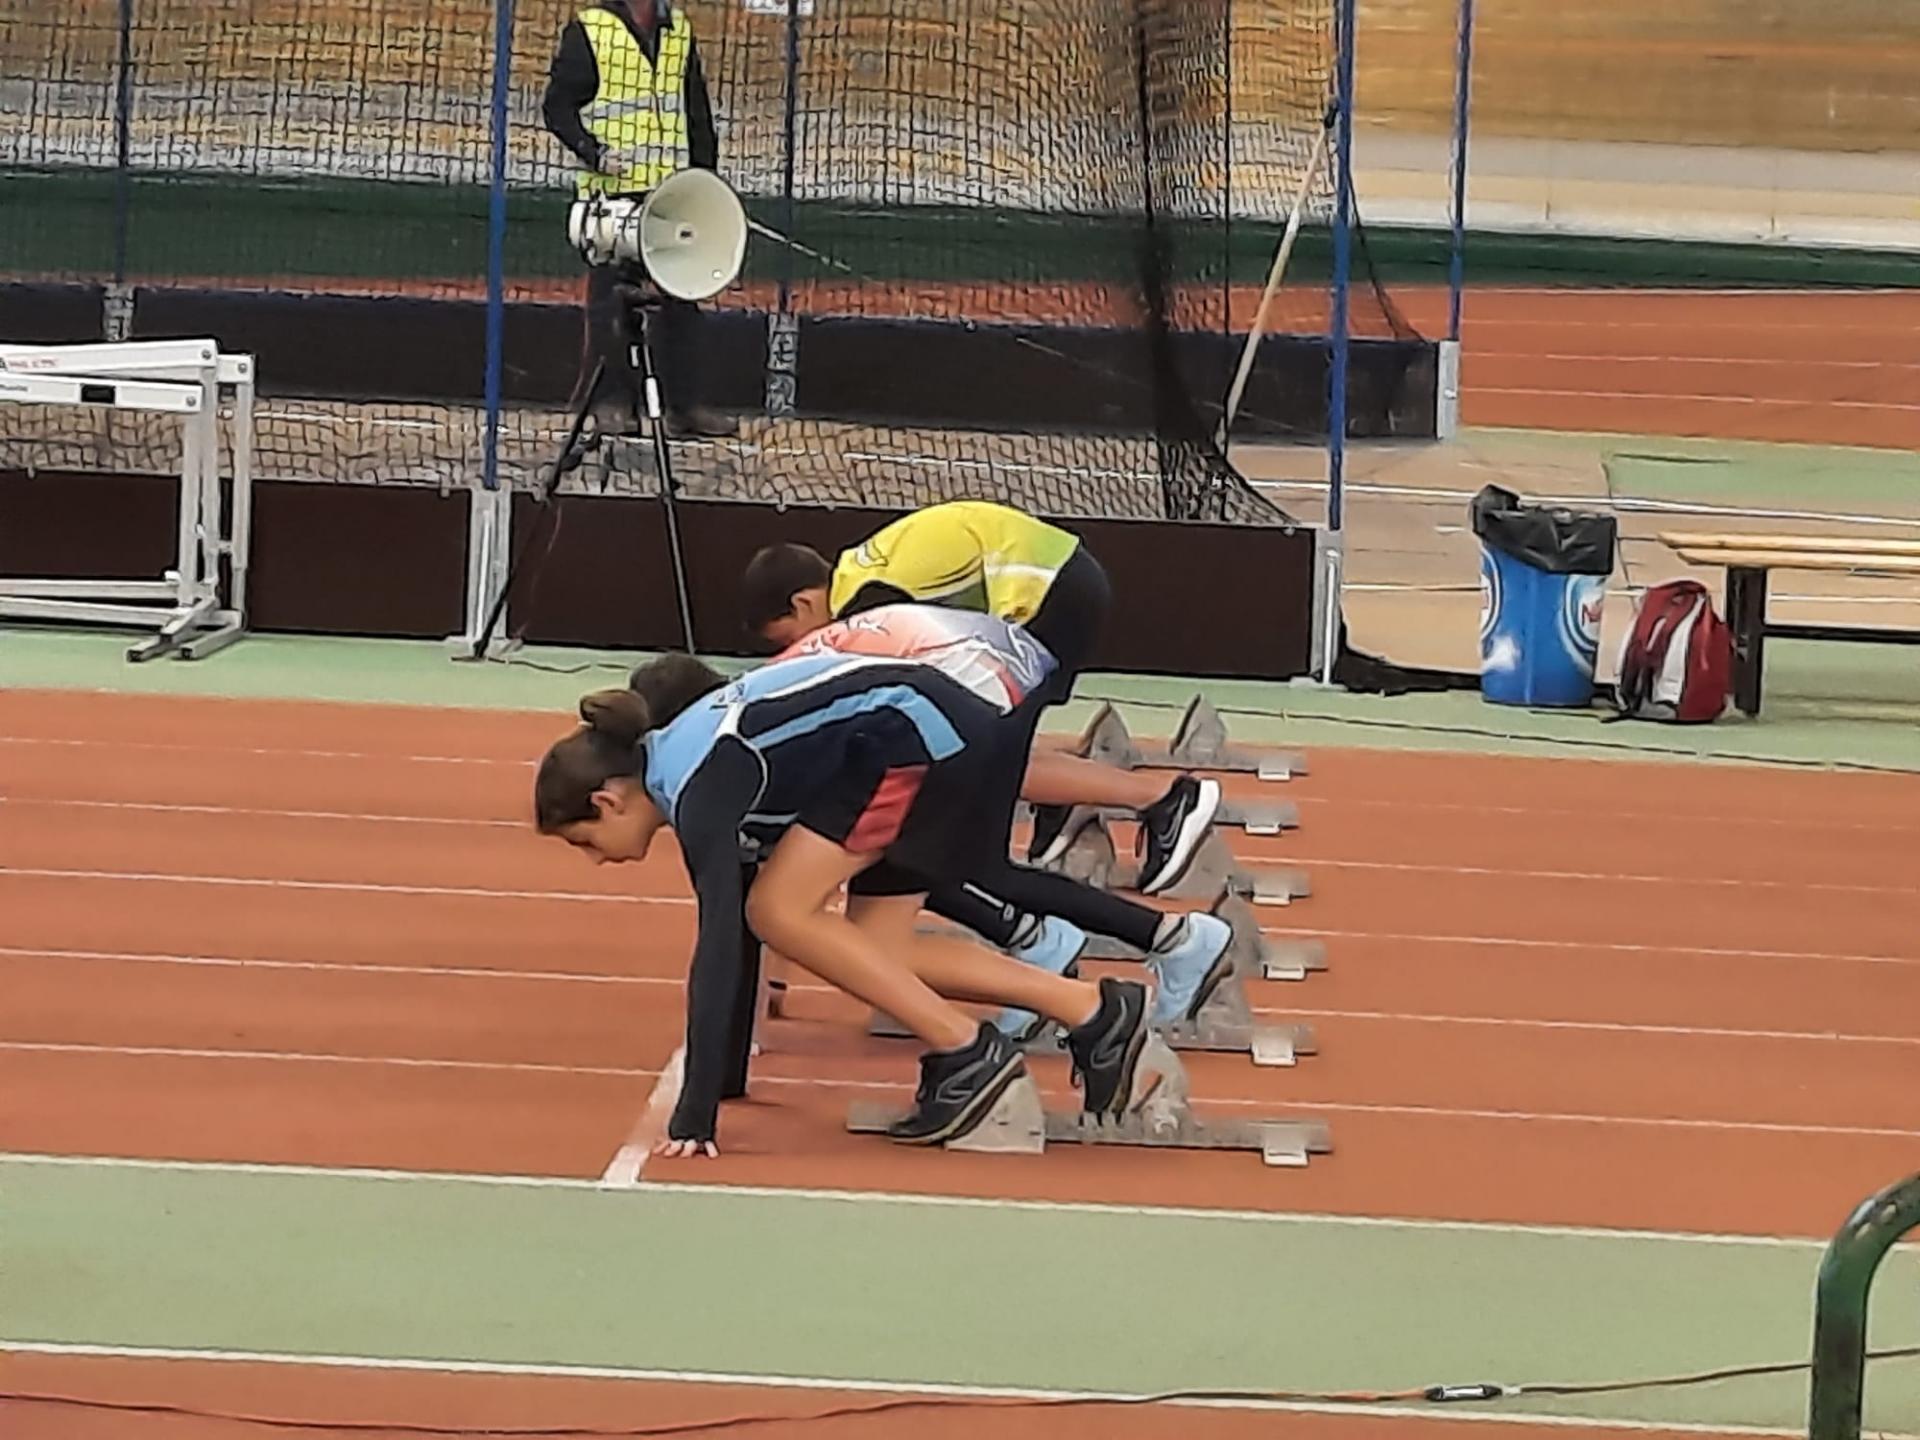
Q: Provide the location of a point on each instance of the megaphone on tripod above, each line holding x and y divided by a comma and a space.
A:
689, 233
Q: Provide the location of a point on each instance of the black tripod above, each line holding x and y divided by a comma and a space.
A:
639, 300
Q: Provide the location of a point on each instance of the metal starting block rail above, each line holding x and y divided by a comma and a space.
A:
1256, 817
1092, 859
185, 378
1199, 742
1160, 1117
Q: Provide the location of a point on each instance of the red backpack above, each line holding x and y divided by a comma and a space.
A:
1678, 660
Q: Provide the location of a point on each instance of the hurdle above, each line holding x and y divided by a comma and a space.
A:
1159, 1116
185, 378
1199, 742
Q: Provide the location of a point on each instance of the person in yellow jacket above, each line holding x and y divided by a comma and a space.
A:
976, 555
626, 93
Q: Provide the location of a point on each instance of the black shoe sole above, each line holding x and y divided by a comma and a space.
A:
969, 1116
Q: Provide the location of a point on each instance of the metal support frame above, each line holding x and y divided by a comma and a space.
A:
1838, 1389
185, 378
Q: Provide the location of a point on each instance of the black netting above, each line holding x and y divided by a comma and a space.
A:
1042, 222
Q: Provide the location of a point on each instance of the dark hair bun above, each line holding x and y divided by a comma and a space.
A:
620, 715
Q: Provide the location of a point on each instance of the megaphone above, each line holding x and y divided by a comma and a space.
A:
690, 233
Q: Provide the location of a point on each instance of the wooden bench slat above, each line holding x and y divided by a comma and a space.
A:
1802, 560
1802, 544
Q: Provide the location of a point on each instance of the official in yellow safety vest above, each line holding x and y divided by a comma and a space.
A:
627, 95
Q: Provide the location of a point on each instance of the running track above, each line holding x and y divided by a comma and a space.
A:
1564, 993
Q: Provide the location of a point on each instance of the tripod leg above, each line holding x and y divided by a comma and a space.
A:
563, 463
663, 461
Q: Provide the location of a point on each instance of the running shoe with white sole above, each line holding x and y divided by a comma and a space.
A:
1171, 830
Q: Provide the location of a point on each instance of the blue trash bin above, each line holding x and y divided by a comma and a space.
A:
1543, 590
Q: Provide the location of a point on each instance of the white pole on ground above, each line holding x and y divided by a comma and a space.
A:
1334, 554
1256, 332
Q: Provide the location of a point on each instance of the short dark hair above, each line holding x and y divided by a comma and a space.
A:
774, 576
670, 683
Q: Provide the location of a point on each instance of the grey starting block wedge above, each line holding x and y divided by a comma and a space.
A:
1199, 742
1092, 859
1161, 1117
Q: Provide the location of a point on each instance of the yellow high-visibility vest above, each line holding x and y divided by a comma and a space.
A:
964, 554
638, 113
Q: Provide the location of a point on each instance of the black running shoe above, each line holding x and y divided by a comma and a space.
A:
958, 1088
1172, 828
1050, 837
1106, 1050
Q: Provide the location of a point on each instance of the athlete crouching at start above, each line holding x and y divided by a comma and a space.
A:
839, 771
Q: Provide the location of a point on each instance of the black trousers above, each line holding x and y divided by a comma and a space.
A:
674, 336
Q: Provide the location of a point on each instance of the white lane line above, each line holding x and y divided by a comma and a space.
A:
1615, 947
894, 1197
937, 1390
262, 882
577, 977
252, 812
1604, 877
629, 1162
1440, 1112
277, 752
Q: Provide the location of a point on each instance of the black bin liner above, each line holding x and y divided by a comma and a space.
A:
1550, 539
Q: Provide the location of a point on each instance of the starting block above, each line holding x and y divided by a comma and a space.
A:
1256, 956
1160, 1117
1199, 743
1092, 859
1226, 1024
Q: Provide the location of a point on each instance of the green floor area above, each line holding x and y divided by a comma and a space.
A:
904, 1291
210, 226
1826, 704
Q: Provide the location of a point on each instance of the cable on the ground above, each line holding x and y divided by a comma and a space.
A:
1435, 1395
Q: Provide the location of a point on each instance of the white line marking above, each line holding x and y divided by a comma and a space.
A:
1625, 504
931, 1388
1612, 1027
277, 752
1408, 937
343, 967
1605, 877
256, 812
533, 1067
629, 1162
894, 1197
1797, 823
578, 977
355, 886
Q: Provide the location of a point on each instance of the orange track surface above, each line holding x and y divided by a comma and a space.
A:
502, 1402
1820, 368
1561, 992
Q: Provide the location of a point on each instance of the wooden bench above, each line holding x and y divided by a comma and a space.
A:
1750, 559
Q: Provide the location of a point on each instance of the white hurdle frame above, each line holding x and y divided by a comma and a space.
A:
170, 377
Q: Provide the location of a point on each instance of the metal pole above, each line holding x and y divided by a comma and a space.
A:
123, 145
1840, 1308
1462, 101
503, 15
1342, 344
783, 326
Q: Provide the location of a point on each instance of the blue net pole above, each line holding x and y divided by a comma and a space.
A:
123, 144
1462, 102
497, 238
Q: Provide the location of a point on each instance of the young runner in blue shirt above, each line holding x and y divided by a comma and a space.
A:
834, 770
